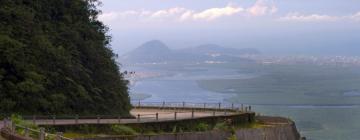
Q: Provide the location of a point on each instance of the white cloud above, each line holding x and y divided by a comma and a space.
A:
168, 12
297, 17
212, 13
112, 16
107, 17
308, 18
260, 8
355, 17
186, 15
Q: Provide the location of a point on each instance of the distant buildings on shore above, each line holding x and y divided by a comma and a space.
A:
317, 60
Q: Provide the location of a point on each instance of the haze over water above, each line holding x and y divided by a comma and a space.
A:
323, 120
309, 56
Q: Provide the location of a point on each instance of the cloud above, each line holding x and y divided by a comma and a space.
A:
355, 17
297, 17
113, 16
308, 18
168, 12
212, 13
260, 8
107, 17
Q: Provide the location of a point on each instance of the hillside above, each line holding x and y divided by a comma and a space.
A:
152, 51
157, 52
55, 59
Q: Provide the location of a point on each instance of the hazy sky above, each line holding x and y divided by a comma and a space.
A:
273, 26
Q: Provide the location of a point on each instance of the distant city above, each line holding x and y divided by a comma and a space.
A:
302, 59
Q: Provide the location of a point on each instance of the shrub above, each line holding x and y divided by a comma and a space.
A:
123, 130
221, 126
202, 127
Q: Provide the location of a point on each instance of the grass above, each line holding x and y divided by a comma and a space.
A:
123, 130
18, 120
87, 131
78, 135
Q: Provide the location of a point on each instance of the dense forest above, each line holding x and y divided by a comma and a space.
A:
55, 59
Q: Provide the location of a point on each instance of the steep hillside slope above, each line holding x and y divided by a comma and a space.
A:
54, 59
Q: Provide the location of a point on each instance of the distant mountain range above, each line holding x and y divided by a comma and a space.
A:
157, 52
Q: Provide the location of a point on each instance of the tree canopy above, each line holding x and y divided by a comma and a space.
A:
55, 59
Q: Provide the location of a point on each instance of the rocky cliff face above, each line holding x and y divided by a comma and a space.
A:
279, 132
277, 128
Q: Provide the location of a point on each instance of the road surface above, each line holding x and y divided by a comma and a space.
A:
146, 115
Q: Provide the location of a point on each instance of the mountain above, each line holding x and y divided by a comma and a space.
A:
55, 59
152, 51
157, 52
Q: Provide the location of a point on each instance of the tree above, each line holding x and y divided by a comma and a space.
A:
55, 59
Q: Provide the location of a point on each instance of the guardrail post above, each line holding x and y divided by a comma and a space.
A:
175, 115
76, 119
34, 119
42, 134
54, 119
214, 113
98, 119
192, 113
59, 135
6, 122
119, 119
138, 117
157, 116
26, 133
13, 127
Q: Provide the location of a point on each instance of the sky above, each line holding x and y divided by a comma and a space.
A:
309, 27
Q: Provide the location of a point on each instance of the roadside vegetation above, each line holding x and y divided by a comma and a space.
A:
55, 59
85, 131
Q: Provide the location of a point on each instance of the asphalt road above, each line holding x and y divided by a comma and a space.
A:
146, 115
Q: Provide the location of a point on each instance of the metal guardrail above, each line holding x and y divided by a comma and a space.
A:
214, 107
190, 109
178, 108
29, 132
205, 105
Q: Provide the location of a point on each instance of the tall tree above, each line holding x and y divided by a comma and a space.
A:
55, 59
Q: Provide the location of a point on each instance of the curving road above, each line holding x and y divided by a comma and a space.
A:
146, 115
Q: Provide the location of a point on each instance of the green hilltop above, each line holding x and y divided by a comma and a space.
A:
55, 59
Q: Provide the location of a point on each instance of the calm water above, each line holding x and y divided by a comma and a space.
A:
316, 122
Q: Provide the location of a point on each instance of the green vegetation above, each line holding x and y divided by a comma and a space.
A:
232, 137
202, 127
55, 59
19, 121
85, 131
122, 130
